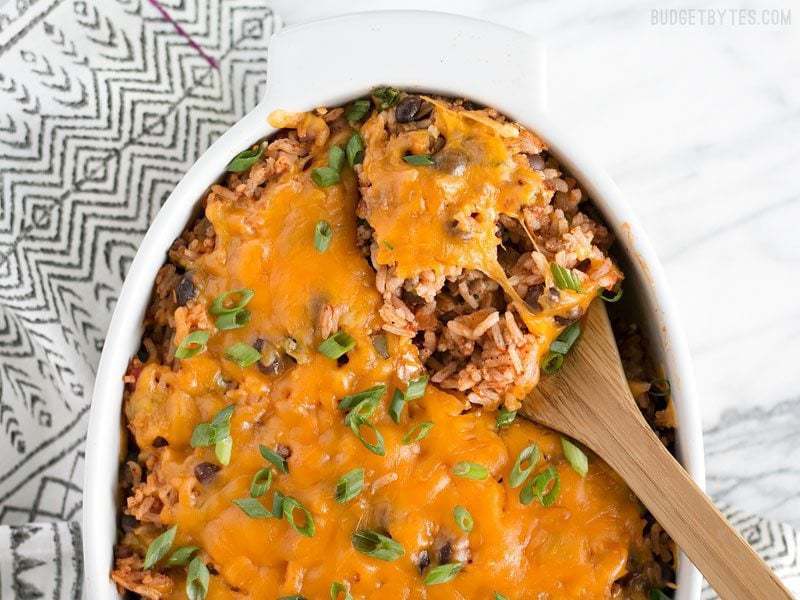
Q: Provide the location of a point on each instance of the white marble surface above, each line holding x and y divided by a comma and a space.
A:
700, 127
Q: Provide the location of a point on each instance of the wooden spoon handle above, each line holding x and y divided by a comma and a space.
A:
729, 564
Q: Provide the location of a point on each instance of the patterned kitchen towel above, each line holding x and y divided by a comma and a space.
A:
104, 104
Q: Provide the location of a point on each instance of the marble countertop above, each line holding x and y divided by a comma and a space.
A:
699, 125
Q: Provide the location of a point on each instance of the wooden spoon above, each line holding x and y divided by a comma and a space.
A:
589, 400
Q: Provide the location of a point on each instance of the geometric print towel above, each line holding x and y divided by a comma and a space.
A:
104, 104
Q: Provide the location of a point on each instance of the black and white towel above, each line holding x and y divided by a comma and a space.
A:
104, 104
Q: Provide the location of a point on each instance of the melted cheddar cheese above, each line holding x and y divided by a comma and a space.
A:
575, 549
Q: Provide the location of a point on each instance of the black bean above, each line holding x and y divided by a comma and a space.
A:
185, 290
407, 108
532, 297
445, 553
584, 265
128, 523
142, 354
423, 561
453, 162
159, 442
284, 451
342, 360
205, 472
424, 111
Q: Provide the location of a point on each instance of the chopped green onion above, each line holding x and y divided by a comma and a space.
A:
563, 343
416, 388
499, 596
374, 393
159, 547
363, 410
656, 594
505, 418
419, 160
289, 506
181, 556
396, 406
336, 158
418, 432
442, 573
529, 454
253, 508
536, 488
215, 432
192, 345
575, 457
222, 420
277, 503
388, 96
233, 320
463, 519
470, 470
338, 588
380, 345
552, 363
322, 236
377, 545
325, 176
336, 345
261, 482
660, 388
350, 485
565, 279
356, 424
358, 110
355, 149
276, 459
223, 449
242, 354
611, 299
197, 579
244, 160
220, 305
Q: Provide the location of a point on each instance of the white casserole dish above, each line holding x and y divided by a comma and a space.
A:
461, 57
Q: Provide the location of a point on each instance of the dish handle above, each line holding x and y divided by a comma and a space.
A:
346, 56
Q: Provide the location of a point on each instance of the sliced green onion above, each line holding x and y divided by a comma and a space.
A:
253, 508
377, 545
242, 354
536, 488
418, 432
336, 345
276, 459
325, 176
565, 279
552, 363
358, 110
388, 96
222, 421
419, 160
470, 470
442, 573
289, 506
396, 406
197, 579
575, 457
322, 236
209, 434
499, 596
611, 299
355, 426
463, 519
159, 547
656, 594
234, 320
336, 158
337, 588
223, 449
222, 303
380, 345
355, 149
192, 345
416, 388
261, 482
563, 343
350, 485
505, 418
244, 160
277, 503
374, 393
519, 474
181, 556
660, 388
202, 436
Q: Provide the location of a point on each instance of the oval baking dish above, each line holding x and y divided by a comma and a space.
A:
466, 58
